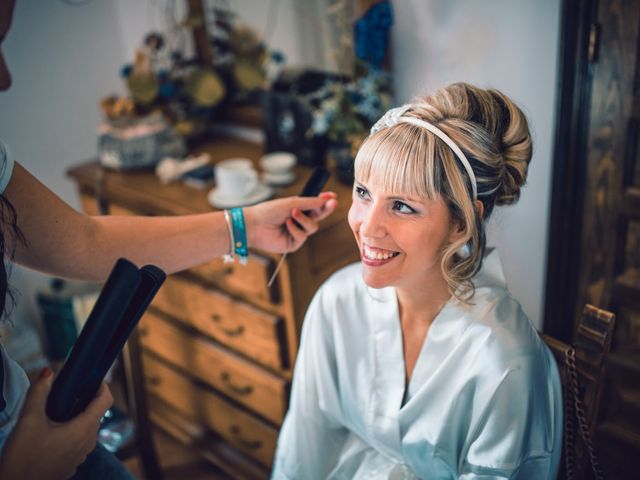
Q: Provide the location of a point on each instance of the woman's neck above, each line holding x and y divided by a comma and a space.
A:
418, 308
422, 301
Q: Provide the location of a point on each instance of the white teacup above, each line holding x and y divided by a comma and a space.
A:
278, 163
236, 178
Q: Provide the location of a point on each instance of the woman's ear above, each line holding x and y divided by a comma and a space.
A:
457, 229
479, 208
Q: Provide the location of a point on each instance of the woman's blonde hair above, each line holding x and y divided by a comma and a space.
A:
492, 132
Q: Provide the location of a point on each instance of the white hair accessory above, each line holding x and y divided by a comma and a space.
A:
395, 116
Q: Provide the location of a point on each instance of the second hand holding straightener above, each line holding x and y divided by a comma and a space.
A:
312, 188
124, 298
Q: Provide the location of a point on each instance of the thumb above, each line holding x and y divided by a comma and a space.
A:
39, 391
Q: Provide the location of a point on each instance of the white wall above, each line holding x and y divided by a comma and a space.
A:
511, 45
64, 59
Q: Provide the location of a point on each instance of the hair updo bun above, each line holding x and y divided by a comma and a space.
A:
516, 147
492, 132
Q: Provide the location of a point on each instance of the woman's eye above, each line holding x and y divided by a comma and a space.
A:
361, 192
402, 207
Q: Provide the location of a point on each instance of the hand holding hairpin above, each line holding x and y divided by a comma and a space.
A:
312, 188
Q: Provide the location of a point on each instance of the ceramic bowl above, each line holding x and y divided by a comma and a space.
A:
278, 162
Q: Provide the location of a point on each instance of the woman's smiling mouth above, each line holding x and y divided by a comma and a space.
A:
377, 256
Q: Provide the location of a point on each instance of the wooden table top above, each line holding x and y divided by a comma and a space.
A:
142, 188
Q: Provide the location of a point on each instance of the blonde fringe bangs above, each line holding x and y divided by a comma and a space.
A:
391, 162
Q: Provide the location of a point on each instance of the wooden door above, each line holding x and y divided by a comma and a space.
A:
594, 245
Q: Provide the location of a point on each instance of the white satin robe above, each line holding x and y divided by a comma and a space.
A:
484, 400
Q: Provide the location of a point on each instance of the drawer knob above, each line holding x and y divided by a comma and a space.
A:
143, 331
226, 379
153, 381
230, 332
223, 272
248, 444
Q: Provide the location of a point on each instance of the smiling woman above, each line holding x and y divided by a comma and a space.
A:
417, 362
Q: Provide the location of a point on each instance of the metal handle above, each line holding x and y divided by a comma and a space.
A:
143, 331
249, 444
226, 379
239, 330
223, 272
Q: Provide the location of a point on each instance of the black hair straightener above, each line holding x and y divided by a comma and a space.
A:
122, 301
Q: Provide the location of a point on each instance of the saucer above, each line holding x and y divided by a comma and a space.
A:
260, 193
278, 179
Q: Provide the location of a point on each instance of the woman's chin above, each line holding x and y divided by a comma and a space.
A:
375, 281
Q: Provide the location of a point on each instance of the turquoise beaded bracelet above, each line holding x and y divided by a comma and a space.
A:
239, 235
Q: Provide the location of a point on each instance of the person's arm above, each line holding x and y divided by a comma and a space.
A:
514, 436
64, 242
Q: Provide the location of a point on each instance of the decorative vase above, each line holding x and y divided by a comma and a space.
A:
341, 159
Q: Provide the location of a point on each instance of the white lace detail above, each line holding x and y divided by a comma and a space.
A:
395, 116
389, 119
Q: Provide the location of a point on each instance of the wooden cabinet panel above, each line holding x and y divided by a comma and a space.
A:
239, 379
248, 281
246, 433
247, 329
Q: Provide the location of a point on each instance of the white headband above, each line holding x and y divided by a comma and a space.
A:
394, 116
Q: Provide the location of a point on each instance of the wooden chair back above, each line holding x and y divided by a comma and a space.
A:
582, 389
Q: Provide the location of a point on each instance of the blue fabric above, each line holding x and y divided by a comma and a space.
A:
102, 465
484, 400
371, 33
14, 391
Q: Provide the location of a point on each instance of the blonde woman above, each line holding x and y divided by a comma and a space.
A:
416, 362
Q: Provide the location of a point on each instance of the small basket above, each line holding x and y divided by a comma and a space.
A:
137, 143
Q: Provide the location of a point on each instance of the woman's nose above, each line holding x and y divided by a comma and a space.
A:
373, 225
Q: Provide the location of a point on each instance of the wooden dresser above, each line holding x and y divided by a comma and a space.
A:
218, 344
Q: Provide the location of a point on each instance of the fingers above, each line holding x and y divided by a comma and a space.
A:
100, 404
328, 195
38, 392
298, 235
305, 223
322, 205
328, 208
83, 428
300, 226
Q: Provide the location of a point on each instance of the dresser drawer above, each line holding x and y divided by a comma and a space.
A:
244, 328
249, 281
239, 379
245, 432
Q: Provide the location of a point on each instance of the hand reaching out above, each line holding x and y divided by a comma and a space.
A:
270, 225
